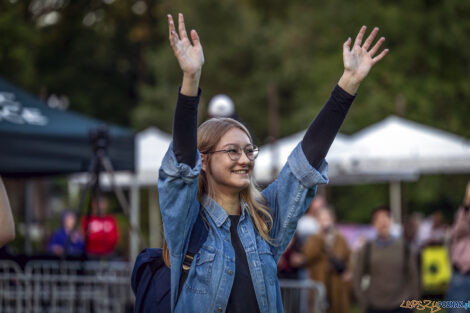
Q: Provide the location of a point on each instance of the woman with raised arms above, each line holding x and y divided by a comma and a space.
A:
207, 171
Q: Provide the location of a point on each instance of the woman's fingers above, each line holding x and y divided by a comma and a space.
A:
376, 47
173, 36
370, 39
171, 25
195, 38
380, 56
182, 27
359, 36
347, 45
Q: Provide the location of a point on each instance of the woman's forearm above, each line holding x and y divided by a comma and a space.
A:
190, 84
185, 127
323, 130
348, 83
7, 225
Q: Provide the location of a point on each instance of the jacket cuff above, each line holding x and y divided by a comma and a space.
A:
306, 173
172, 168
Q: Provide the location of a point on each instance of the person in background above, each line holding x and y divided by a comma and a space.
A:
459, 286
66, 240
385, 272
100, 229
7, 225
308, 224
327, 256
432, 231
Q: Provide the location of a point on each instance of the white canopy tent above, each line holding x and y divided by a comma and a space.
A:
272, 157
392, 150
399, 144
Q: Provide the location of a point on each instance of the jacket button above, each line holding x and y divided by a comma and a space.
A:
219, 309
230, 272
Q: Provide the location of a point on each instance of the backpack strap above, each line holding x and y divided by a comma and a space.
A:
197, 239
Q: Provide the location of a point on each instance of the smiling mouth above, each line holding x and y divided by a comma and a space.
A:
245, 172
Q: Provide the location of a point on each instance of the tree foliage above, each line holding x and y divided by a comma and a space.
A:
113, 61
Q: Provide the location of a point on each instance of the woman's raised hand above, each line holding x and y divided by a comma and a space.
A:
359, 59
190, 56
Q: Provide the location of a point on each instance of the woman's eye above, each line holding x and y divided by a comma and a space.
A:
232, 151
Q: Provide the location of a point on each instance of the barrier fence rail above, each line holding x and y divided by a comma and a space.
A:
102, 287
69, 287
303, 296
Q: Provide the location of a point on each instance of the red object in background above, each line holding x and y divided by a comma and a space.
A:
101, 234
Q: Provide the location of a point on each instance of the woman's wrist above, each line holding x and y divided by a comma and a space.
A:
190, 85
349, 83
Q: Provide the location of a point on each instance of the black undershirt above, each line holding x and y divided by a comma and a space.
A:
242, 296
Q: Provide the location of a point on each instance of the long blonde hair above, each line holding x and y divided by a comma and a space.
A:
208, 136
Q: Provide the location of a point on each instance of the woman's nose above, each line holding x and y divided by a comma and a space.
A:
244, 159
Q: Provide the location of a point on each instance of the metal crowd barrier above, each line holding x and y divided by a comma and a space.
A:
65, 287
303, 296
102, 287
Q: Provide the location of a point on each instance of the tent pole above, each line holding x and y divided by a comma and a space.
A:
395, 200
134, 220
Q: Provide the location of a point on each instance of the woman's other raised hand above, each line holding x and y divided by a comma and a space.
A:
190, 56
359, 59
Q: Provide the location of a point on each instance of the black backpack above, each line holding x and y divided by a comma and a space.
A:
151, 278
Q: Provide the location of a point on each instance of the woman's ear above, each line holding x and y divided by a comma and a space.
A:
203, 162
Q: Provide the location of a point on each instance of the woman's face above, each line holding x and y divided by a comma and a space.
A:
223, 173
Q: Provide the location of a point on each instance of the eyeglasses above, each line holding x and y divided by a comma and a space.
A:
235, 152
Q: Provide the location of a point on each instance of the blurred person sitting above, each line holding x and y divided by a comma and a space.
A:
459, 286
327, 256
385, 272
7, 225
67, 240
100, 229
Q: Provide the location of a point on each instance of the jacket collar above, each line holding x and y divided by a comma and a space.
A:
216, 212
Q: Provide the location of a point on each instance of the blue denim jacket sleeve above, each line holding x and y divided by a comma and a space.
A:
289, 196
177, 188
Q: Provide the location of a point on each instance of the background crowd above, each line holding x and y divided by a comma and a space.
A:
395, 262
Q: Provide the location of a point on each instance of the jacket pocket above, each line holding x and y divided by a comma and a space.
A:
200, 273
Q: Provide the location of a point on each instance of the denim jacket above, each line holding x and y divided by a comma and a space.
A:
210, 278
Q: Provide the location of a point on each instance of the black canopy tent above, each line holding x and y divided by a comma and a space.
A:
36, 140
